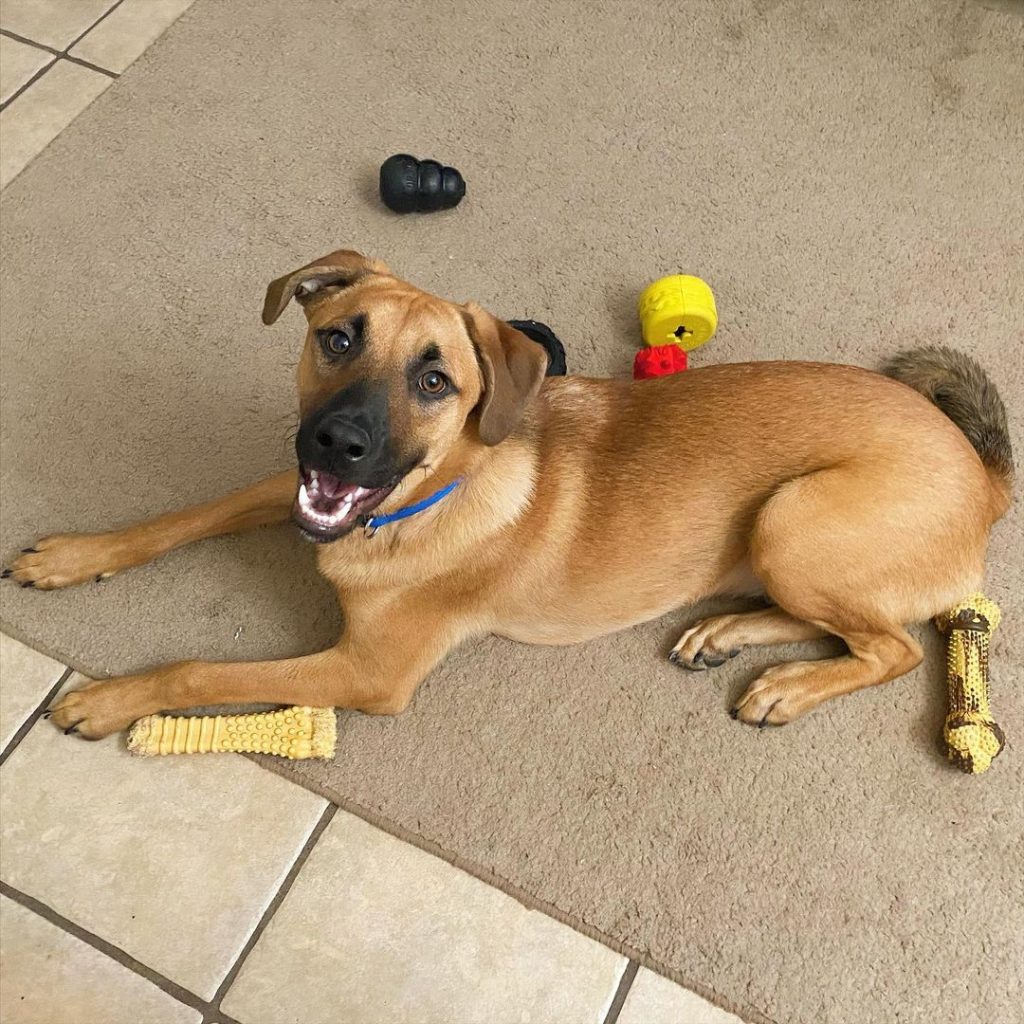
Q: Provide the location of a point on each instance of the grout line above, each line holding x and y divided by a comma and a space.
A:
32, 81
29, 42
92, 67
212, 1016
59, 54
49, 67
109, 949
106, 14
625, 984
74, 42
36, 715
289, 880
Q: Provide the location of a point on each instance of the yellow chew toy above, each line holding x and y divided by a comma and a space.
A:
296, 733
677, 310
973, 740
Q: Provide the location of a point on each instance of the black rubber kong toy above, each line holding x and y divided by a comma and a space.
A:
408, 185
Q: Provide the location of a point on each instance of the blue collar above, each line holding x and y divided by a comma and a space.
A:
374, 523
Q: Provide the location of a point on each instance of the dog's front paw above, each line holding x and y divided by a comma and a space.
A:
65, 560
100, 709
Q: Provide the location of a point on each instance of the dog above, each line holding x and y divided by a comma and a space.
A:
455, 491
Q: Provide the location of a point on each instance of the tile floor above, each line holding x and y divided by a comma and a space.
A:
207, 889
57, 56
210, 890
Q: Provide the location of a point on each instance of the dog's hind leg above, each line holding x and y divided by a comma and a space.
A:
712, 641
859, 552
788, 691
66, 559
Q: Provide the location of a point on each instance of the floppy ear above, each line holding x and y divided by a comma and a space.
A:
343, 267
513, 368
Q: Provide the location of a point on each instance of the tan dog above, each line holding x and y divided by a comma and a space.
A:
847, 499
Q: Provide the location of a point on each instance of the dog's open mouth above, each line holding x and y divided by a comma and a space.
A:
325, 507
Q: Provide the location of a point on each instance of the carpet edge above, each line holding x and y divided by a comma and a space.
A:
749, 1014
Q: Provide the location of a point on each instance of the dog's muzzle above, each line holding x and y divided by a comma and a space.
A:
346, 461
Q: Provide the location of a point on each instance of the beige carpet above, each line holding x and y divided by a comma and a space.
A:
849, 178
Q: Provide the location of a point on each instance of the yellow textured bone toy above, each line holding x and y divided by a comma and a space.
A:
973, 740
296, 733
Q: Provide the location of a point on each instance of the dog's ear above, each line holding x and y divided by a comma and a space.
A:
343, 267
513, 369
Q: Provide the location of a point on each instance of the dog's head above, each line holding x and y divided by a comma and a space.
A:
390, 380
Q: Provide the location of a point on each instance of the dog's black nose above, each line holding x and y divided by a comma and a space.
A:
340, 437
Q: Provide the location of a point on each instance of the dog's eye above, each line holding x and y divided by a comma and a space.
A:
336, 342
433, 383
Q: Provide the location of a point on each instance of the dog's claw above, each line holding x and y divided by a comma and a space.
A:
46, 714
764, 723
71, 728
28, 583
714, 662
100, 578
676, 657
696, 663
30, 551
5, 574
734, 713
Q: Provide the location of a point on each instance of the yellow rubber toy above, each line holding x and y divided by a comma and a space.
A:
297, 733
973, 740
678, 310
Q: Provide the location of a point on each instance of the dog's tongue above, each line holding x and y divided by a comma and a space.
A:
327, 493
327, 505
331, 486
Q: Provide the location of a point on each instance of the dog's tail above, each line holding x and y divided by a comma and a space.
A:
958, 385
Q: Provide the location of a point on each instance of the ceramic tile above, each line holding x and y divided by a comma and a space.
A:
42, 111
50, 976
653, 999
55, 23
122, 37
172, 859
393, 934
25, 678
18, 63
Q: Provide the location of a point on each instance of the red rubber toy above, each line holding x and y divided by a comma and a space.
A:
658, 361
